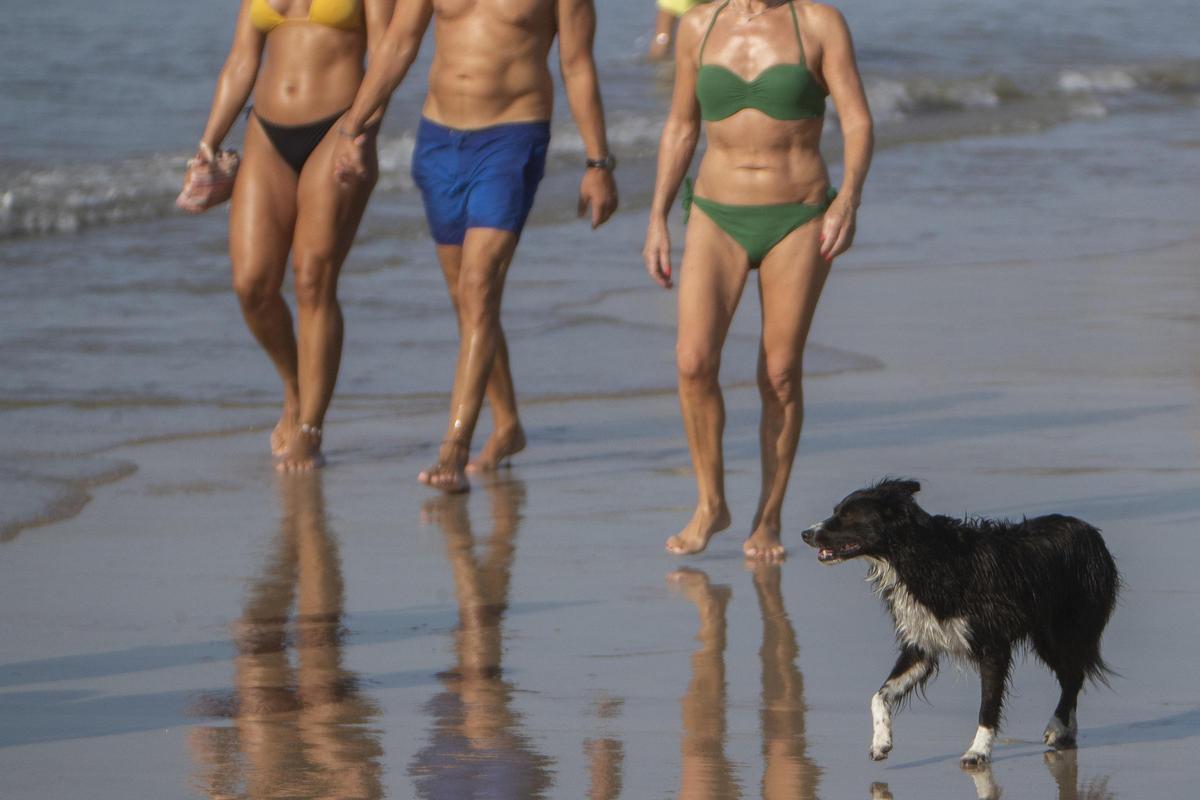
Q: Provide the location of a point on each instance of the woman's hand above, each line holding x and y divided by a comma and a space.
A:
837, 232
185, 201
349, 157
657, 252
205, 154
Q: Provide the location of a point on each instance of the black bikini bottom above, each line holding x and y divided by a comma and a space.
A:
295, 143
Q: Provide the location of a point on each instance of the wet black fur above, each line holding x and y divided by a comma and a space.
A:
1047, 583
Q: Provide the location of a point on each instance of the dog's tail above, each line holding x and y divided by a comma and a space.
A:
1103, 586
1085, 607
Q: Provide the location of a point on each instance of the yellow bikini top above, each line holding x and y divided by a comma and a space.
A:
343, 14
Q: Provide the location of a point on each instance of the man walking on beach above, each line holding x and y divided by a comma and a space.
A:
480, 153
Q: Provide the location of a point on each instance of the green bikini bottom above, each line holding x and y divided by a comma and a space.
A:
756, 228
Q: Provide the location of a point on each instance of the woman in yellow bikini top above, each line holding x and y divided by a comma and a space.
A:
303, 61
754, 75
345, 15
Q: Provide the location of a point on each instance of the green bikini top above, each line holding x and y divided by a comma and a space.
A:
781, 91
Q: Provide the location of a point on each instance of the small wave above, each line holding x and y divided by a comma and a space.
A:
395, 158
69, 198
1111, 79
630, 134
40, 200
898, 99
1170, 77
66, 199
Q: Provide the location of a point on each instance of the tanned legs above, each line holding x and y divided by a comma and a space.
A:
712, 278
789, 284
486, 254
710, 285
314, 217
508, 437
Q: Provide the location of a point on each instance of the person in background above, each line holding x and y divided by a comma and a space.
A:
669, 12
303, 61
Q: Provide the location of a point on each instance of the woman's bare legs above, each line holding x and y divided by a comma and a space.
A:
790, 281
262, 217
316, 217
508, 437
327, 217
712, 276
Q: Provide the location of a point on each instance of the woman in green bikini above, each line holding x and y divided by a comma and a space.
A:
757, 72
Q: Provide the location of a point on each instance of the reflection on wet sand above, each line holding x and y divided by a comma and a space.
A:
705, 771
302, 729
1063, 766
605, 756
476, 747
787, 770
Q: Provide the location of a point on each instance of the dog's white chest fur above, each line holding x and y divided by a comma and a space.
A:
916, 625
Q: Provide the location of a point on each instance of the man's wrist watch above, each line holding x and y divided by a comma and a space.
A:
608, 162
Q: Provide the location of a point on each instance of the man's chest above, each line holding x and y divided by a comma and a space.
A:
521, 13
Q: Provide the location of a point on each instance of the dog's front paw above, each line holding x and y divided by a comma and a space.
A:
973, 759
879, 751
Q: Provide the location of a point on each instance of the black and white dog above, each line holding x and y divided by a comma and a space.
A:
975, 590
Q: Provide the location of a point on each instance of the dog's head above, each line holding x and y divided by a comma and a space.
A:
866, 522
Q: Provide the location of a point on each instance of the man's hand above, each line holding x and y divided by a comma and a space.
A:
598, 191
349, 158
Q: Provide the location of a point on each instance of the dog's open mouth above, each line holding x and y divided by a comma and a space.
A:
832, 555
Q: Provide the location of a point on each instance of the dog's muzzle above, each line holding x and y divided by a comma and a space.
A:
808, 534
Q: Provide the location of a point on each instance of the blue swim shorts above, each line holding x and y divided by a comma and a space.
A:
480, 178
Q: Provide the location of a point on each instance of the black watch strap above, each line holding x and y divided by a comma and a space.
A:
609, 162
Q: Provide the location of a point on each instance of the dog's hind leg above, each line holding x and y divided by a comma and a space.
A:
913, 668
993, 678
1062, 728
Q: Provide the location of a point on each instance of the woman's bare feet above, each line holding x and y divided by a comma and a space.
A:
449, 473
703, 526
502, 444
282, 433
303, 451
764, 544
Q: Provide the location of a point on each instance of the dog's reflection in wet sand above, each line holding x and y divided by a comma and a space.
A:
1064, 769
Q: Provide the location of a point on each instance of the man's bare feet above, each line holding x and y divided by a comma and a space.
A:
449, 473
764, 544
499, 447
303, 451
703, 526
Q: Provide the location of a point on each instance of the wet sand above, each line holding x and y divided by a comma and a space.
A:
204, 628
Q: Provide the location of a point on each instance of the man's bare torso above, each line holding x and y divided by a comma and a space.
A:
489, 65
